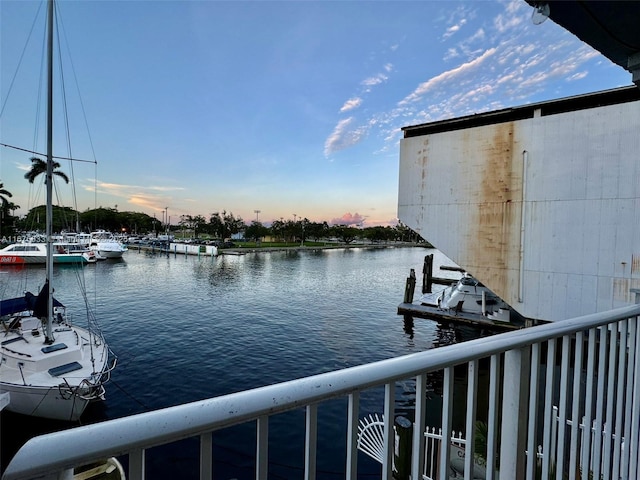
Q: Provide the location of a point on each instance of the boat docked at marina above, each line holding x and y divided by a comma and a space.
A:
468, 296
103, 243
50, 366
35, 252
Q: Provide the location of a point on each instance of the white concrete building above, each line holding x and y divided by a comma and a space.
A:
541, 203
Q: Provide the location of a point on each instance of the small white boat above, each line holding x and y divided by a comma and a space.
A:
33, 252
104, 244
468, 295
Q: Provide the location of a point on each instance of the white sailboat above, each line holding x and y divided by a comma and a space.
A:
50, 367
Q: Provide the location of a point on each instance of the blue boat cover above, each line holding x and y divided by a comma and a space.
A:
21, 304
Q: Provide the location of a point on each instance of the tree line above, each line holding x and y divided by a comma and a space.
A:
219, 225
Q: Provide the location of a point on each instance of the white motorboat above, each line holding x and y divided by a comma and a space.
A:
106, 245
34, 252
50, 367
468, 295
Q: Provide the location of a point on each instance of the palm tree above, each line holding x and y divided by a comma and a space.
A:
4, 194
39, 166
5, 204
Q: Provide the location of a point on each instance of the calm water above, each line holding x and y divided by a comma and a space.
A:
188, 328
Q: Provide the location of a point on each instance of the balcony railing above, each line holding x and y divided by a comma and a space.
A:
588, 367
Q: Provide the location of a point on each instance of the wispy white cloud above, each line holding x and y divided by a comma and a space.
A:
505, 61
147, 196
577, 76
344, 135
454, 28
351, 104
510, 18
375, 80
447, 76
456, 21
25, 167
115, 187
451, 53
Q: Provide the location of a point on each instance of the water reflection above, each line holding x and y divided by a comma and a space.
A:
187, 328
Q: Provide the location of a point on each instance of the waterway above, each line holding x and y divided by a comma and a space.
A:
189, 328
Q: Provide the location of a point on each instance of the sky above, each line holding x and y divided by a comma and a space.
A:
268, 110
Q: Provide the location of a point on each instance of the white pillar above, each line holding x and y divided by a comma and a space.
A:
515, 399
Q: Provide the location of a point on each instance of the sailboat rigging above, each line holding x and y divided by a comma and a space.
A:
50, 367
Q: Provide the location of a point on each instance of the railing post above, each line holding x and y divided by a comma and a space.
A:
389, 432
514, 413
206, 456
136, 464
418, 446
262, 448
352, 437
634, 441
311, 442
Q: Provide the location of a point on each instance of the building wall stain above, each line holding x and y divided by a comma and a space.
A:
495, 242
635, 264
622, 289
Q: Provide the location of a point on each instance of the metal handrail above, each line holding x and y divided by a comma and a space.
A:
60, 451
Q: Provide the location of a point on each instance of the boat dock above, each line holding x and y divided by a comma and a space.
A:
409, 308
448, 316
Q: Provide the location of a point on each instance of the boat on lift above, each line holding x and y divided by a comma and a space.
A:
469, 296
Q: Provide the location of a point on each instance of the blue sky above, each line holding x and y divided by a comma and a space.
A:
290, 107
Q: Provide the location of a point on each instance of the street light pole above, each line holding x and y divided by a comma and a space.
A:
257, 212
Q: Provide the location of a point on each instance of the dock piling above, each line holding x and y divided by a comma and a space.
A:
404, 430
410, 287
427, 274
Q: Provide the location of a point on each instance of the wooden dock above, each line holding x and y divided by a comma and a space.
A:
449, 316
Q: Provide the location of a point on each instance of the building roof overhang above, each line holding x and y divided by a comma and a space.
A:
541, 109
611, 27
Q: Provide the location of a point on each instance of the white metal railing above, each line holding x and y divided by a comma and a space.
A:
434, 437
597, 377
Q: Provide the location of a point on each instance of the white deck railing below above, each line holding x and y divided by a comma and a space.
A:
587, 366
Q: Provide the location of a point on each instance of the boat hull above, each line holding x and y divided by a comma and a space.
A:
28, 253
104, 244
51, 379
43, 402
109, 253
41, 260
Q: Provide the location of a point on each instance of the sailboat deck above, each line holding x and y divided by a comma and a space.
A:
27, 359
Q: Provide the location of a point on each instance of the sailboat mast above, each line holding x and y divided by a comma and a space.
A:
49, 172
